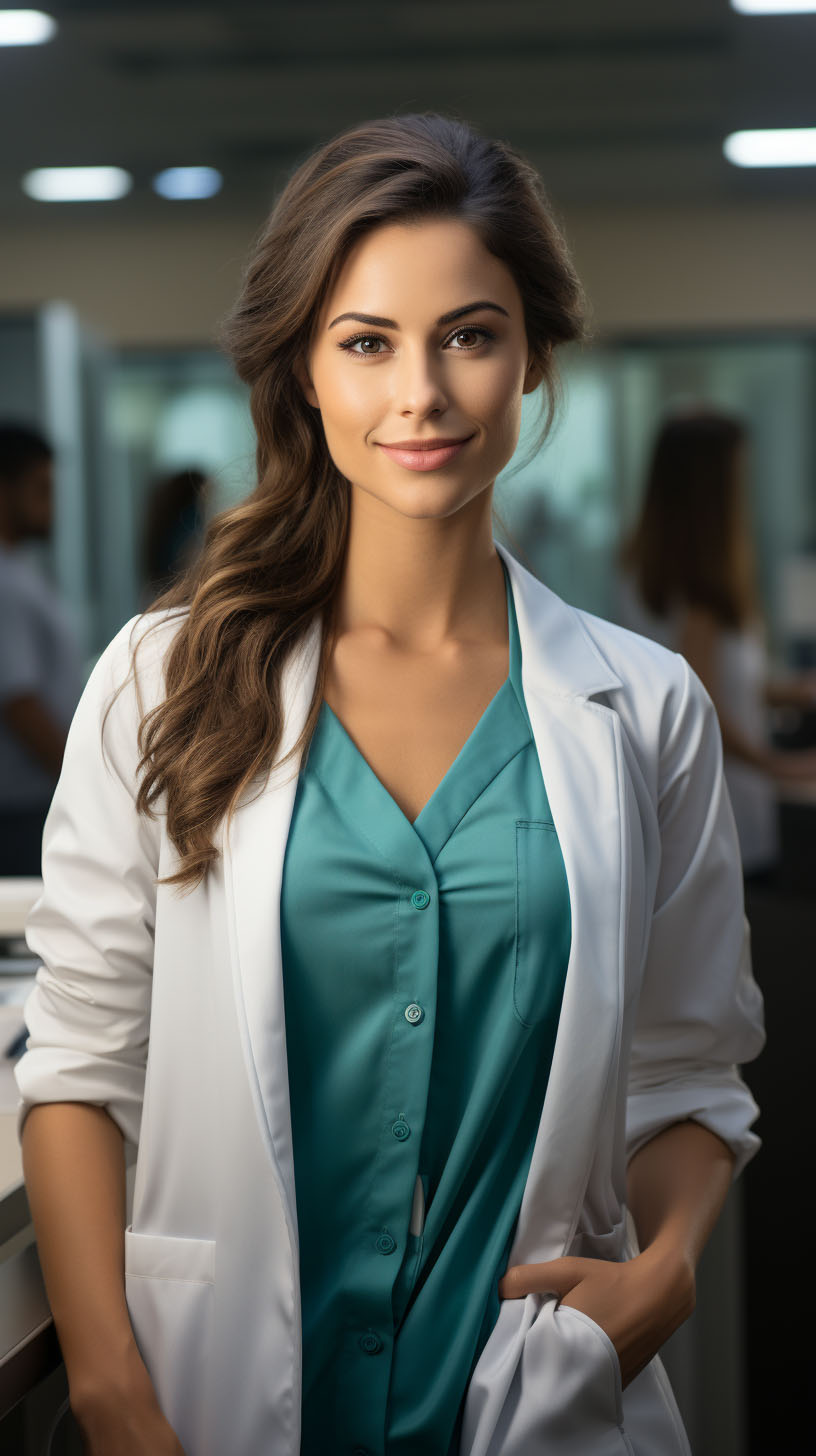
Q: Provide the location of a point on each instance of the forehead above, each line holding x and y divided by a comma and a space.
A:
420, 268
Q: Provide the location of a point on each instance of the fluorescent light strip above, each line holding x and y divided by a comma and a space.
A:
25, 27
77, 184
774, 7
186, 184
785, 147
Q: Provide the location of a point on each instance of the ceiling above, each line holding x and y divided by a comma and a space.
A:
614, 100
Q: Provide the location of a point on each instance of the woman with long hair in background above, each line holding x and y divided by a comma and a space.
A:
391, 905
691, 582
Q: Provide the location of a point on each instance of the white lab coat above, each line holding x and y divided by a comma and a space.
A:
167, 1008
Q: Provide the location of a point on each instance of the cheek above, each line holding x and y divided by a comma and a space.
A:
499, 410
495, 393
344, 396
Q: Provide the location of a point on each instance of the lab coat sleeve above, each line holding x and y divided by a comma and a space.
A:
88, 1012
700, 1011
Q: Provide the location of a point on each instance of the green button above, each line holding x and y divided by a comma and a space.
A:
401, 1130
371, 1343
420, 899
414, 1013
385, 1244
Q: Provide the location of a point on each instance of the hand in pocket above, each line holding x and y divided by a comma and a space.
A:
638, 1304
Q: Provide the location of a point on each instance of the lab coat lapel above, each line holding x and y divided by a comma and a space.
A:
253, 862
578, 744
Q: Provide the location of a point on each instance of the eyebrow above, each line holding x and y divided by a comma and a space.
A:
445, 318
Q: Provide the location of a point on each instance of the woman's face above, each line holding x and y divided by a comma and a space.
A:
402, 374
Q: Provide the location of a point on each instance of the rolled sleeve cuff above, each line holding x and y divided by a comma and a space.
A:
118, 1088
723, 1104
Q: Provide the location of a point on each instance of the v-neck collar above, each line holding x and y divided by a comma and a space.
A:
502, 730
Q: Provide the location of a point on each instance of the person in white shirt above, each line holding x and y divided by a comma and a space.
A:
40, 666
689, 581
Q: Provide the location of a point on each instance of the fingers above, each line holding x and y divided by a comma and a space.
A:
557, 1276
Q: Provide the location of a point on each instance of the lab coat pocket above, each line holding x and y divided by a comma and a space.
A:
611, 1354
543, 927
170, 1291
546, 1382
574, 1369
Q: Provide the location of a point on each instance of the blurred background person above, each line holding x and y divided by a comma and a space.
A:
40, 664
689, 580
173, 529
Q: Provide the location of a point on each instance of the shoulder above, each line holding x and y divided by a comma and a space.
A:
143, 641
579, 655
640, 662
664, 708
128, 678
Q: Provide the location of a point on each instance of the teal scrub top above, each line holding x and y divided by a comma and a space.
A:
423, 968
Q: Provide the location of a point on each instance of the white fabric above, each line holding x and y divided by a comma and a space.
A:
741, 666
38, 654
742, 669
167, 1008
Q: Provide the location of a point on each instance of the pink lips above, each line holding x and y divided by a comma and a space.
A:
419, 458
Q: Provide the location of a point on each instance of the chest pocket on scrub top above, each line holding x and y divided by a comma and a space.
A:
543, 930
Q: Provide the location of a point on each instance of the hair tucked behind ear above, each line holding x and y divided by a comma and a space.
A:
272, 564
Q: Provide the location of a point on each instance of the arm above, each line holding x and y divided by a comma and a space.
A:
29, 720
74, 1170
699, 1015
677, 1184
81, 1078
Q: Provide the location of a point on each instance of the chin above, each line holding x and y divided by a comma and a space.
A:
427, 503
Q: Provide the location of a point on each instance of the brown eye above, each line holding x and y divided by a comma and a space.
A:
349, 345
479, 334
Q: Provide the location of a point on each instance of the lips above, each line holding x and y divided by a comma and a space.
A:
425, 454
430, 444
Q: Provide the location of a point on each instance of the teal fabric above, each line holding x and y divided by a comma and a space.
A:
423, 967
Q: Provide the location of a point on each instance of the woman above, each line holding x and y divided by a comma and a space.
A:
691, 584
504, 868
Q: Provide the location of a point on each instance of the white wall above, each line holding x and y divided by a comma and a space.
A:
644, 267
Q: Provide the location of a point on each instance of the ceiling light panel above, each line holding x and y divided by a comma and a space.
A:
783, 147
77, 184
774, 7
187, 184
25, 27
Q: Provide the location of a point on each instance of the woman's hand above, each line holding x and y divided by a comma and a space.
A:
638, 1303
123, 1418
128, 1430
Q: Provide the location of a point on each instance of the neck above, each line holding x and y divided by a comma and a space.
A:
422, 582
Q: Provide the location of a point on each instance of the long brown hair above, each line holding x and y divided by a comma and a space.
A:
691, 545
273, 562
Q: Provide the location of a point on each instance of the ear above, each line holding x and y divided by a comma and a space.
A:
302, 376
534, 374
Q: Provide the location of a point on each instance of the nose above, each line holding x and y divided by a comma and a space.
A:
418, 384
